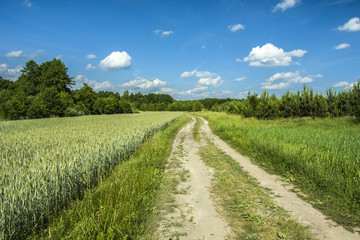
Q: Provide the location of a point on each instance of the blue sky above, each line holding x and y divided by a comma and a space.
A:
188, 49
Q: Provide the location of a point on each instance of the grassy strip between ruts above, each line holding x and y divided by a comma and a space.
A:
249, 210
121, 207
320, 156
197, 126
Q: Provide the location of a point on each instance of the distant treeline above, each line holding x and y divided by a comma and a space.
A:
45, 90
304, 103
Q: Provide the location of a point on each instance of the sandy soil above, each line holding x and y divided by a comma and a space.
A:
320, 226
195, 216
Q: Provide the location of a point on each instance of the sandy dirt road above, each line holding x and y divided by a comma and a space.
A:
195, 216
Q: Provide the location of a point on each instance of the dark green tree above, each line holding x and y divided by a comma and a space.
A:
85, 98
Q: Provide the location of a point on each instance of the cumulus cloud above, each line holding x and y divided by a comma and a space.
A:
203, 47
352, 25
243, 94
59, 56
36, 54
27, 3
271, 56
164, 33
342, 46
14, 54
205, 77
226, 92
240, 79
188, 74
90, 66
144, 84
195, 90
115, 61
211, 81
90, 56
21, 54
238, 60
236, 27
97, 86
285, 4
10, 73
286, 79
342, 84
166, 90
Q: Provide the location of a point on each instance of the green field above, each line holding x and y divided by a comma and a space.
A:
47, 163
321, 156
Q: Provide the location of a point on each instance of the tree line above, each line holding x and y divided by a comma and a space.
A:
45, 90
303, 103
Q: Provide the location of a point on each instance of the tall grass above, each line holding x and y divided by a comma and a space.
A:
320, 155
46, 163
122, 206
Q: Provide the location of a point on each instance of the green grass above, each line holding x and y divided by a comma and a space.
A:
248, 208
321, 156
47, 163
196, 132
123, 205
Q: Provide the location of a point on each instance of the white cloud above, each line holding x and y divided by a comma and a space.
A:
240, 79
238, 60
59, 56
287, 78
196, 92
205, 77
188, 74
236, 27
144, 84
164, 33
226, 92
243, 94
27, 3
203, 47
352, 25
285, 4
11, 73
205, 74
20, 54
341, 84
116, 60
90, 56
351, 85
36, 54
97, 86
342, 46
90, 66
277, 86
14, 54
271, 56
211, 81
316, 76
166, 90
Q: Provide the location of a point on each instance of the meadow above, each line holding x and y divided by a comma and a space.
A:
320, 156
45, 164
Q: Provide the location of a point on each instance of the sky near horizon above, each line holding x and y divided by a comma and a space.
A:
189, 49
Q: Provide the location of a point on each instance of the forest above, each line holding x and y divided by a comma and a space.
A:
45, 90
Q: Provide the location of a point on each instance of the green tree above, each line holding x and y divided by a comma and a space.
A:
54, 74
197, 106
289, 105
319, 106
29, 80
85, 97
268, 107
